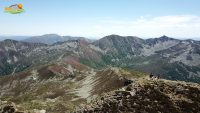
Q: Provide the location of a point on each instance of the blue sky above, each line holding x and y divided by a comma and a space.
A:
97, 18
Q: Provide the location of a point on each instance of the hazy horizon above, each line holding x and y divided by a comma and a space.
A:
23, 37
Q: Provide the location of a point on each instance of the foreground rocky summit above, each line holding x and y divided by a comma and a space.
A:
149, 96
138, 96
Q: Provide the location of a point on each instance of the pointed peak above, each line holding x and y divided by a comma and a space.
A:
164, 37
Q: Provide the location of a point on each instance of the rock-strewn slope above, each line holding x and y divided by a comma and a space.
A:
149, 96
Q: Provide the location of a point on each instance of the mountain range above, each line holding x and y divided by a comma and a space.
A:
109, 74
52, 38
172, 58
46, 39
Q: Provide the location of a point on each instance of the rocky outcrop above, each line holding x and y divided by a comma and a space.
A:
10, 107
148, 96
6, 107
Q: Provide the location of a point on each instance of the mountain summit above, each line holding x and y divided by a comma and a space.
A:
51, 39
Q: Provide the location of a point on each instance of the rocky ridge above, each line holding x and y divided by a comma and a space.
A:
148, 96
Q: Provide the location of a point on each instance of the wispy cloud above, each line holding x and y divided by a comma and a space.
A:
185, 26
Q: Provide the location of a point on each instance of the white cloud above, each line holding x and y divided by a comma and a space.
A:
180, 26
177, 26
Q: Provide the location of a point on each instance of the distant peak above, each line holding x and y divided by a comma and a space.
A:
9, 40
117, 36
51, 35
164, 36
113, 35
